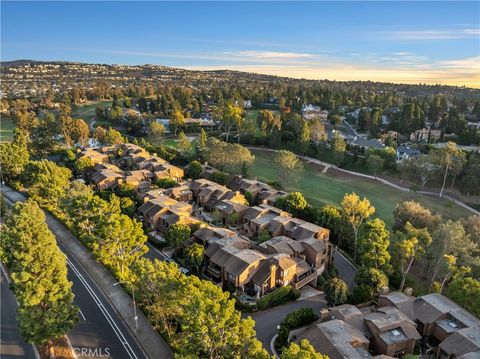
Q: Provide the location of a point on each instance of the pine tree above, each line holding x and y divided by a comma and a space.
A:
39, 276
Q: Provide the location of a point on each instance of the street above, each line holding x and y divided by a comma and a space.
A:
346, 271
266, 321
100, 330
11, 344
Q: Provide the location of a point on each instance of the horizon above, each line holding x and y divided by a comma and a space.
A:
393, 42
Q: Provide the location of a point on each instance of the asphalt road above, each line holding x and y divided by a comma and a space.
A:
266, 321
346, 271
100, 331
11, 344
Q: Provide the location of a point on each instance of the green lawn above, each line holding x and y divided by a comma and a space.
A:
320, 189
87, 111
7, 125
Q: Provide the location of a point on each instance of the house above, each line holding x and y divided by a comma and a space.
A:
346, 331
310, 112
180, 193
463, 344
209, 196
438, 317
405, 152
335, 338
257, 218
425, 135
210, 234
231, 211
140, 180
259, 192
161, 212
166, 170
393, 333
107, 176
95, 156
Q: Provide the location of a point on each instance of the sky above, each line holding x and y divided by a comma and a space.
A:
402, 42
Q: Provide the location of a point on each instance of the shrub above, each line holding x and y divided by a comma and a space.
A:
166, 183
336, 291
278, 297
296, 319
361, 294
219, 177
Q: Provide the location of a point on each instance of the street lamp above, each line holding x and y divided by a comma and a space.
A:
134, 304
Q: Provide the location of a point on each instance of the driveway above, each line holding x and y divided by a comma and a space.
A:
346, 270
266, 321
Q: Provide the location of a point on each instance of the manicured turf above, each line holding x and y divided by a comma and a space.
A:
87, 111
320, 189
7, 125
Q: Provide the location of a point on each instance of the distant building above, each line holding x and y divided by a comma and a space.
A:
405, 152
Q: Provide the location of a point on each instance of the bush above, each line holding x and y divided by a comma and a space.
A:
278, 297
336, 291
321, 282
296, 319
361, 294
219, 177
166, 183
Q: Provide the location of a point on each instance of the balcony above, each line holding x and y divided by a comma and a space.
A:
216, 272
304, 279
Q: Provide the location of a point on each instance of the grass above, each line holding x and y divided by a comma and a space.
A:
7, 126
87, 111
329, 188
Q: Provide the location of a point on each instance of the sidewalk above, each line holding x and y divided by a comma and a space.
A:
149, 339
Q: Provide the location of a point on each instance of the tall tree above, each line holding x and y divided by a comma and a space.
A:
289, 166
337, 149
412, 244
177, 121
447, 158
39, 276
184, 144
356, 211
177, 234
373, 243
14, 157
375, 163
155, 132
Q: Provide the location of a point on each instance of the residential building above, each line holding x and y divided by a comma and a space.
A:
405, 152
425, 135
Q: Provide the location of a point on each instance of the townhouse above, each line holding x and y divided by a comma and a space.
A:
394, 327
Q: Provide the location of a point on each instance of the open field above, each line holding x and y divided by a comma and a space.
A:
7, 125
87, 111
329, 188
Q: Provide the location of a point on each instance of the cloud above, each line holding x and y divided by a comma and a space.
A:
270, 54
460, 72
433, 34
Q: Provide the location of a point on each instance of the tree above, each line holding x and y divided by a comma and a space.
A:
375, 164
304, 136
14, 157
194, 170
45, 135
202, 140
113, 137
194, 256
447, 157
424, 168
176, 121
336, 292
373, 243
466, 292
184, 144
295, 203
231, 116
450, 239
416, 214
81, 132
100, 134
302, 351
472, 228
39, 276
330, 217
177, 234
412, 244
46, 182
356, 211
155, 132
470, 182
263, 236
212, 328
118, 243
269, 120
289, 166
317, 130
372, 278
337, 149
227, 156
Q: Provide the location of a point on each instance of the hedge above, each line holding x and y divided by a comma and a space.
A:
278, 297
296, 319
